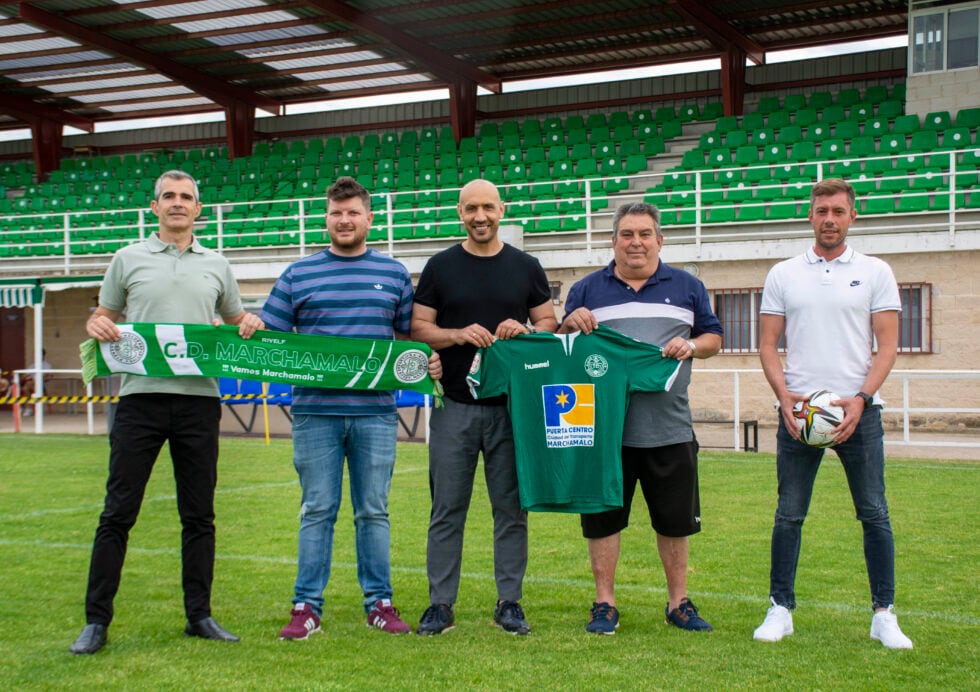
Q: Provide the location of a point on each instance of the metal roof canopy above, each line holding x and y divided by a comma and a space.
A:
81, 62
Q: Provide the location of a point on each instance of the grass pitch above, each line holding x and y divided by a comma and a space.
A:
51, 488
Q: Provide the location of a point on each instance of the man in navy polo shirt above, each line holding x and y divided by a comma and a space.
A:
642, 297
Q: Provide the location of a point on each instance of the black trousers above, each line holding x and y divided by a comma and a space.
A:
143, 423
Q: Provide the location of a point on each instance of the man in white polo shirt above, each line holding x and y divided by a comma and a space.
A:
830, 302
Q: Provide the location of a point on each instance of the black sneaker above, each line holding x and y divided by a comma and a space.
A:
509, 616
436, 619
686, 617
604, 619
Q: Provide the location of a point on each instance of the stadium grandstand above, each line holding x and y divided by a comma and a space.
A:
727, 151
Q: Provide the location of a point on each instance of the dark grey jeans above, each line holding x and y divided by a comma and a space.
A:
458, 433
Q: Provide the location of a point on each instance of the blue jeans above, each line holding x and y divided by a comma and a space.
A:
320, 444
863, 459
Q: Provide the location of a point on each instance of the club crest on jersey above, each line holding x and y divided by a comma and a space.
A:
569, 415
596, 365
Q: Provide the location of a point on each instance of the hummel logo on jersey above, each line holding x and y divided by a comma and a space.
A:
856, 282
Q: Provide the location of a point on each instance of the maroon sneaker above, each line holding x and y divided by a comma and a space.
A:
385, 617
303, 623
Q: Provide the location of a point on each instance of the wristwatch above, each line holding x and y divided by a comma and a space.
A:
866, 398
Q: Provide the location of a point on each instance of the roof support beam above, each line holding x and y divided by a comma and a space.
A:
462, 109
47, 125
719, 32
446, 67
240, 129
733, 80
218, 91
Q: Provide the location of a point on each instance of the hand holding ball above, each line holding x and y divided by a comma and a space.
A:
817, 418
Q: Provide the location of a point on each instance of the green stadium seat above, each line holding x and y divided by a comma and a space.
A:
726, 124
753, 121
832, 114
956, 138
892, 144
790, 134
643, 116
693, 159
821, 99
671, 129
794, 102
968, 117
719, 157
816, 132
736, 138
725, 178
805, 116
929, 178
905, 124
682, 196
688, 113
876, 93
861, 147
631, 146
848, 97
778, 119
762, 136
747, 155
721, 213
586, 168
768, 104
712, 110
893, 184
774, 153
595, 120
622, 132
832, 149
676, 178
803, 151
937, 120
635, 163
647, 129
710, 140
924, 141
876, 127
913, 202
890, 109
861, 111
752, 212
531, 127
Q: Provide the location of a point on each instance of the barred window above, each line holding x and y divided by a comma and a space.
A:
738, 311
555, 287
915, 322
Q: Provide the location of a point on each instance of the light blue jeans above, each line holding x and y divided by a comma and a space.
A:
863, 459
320, 444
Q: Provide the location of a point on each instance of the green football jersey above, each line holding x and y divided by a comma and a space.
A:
567, 396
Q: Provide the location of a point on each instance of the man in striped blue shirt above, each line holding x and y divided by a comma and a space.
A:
345, 290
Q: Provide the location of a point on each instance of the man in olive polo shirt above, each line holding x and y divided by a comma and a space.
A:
169, 277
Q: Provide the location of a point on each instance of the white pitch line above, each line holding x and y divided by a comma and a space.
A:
585, 583
171, 498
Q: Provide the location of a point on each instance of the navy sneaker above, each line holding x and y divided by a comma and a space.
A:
686, 617
509, 616
604, 619
436, 619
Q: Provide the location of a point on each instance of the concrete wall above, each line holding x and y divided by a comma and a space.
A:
942, 91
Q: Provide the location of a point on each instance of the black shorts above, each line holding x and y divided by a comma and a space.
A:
668, 477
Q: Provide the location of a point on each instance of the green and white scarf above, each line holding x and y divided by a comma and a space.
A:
203, 350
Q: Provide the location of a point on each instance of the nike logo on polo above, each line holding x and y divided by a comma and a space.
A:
855, 283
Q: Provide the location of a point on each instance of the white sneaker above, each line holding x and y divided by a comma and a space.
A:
884, 628
778, 623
